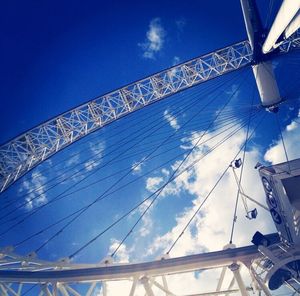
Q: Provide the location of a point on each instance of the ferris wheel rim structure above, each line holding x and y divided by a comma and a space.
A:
23, 153
28, 150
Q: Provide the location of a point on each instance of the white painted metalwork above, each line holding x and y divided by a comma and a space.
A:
31, 148
16, 272
276, 257
293, 26
286, 13
23, 153
281, 185
266, 84
26, 151
262, 70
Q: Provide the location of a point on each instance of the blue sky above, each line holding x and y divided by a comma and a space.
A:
55, 56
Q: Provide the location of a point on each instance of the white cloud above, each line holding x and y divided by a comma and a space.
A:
91, 164
215, 218
155, 38
293, 125
153, 183
73, 160
137, 166
176, 60
147, 222
36, 187
291, 134
211, 227
122, 256
171, 119
97, 149
97, 153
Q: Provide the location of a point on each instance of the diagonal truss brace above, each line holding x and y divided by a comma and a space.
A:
23, 153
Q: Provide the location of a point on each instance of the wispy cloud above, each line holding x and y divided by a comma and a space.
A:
153, 183
73, 160
176, 60
123, 254
137, 166
155, 39
36, 187
97, 152
180, 24
171, 119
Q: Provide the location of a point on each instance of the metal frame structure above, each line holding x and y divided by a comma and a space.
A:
54, 279
273, 258
23, 153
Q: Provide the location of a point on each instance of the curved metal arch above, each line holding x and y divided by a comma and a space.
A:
31, 148
34, 146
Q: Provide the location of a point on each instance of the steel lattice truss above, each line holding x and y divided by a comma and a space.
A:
23, 153
34, 146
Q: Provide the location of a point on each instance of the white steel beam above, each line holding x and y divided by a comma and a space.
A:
133, 287
148, 289
235, 268
293, 26
136, 270
161, 287
221, 279
91, 289
286, 13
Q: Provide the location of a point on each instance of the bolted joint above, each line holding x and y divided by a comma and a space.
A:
234, 267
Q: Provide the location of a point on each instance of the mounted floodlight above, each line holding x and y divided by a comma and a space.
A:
252, 214
260, 240
237, 163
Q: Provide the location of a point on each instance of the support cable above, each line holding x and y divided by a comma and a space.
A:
245, 196
188, 168
240, 179
141, 133
191, 95
283, 144
113, 185
175, 171
224, 120
123, 186
209, 194
127, 168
